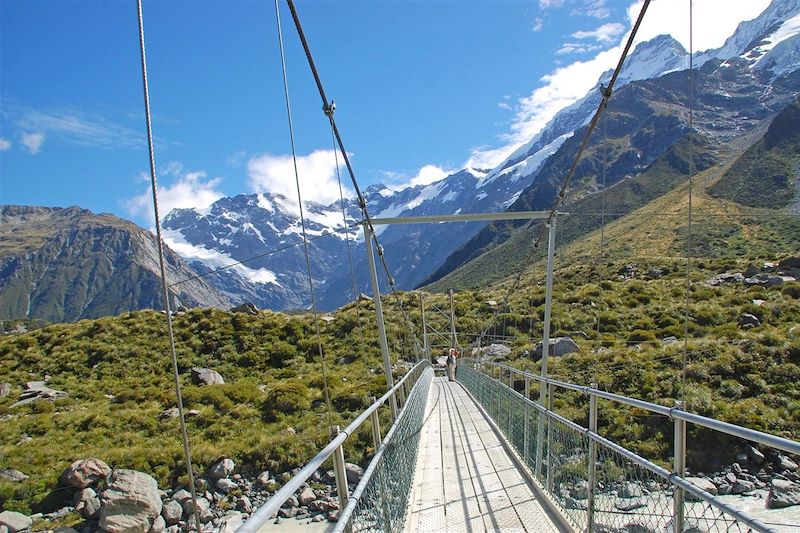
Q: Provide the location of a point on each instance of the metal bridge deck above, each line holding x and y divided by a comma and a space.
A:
465, 479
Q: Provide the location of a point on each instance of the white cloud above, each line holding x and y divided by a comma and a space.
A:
79, 128
33, 141
577, 48
538, 24
5, 144
564, 85
426, 175
604, 34
236, 159
596, 9
316, 171
186, 190
545, 4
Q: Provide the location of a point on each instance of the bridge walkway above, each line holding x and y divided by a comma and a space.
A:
464, 479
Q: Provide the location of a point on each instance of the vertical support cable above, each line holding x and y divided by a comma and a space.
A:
689, 227
164, 286
303, 219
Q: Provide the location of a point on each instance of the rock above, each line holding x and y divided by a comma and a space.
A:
64, 529
15, 521
192, 412
244, 504
159, 525
630, 490
571, 503
558, 346
131, 503
636, 527
182, 495
767, 280
206, 376
784, 463
581, 490
754, 455
318, 518
287, 512
364, 297
628, 271
758, 302
730, 477
172, 412
264, 478
226, 485
669, 340
10, 474
630, 504
751, 271
746, 321
91, 507
5, 389
306, 496
701, 483
203, 510
37, 391
741, 486
498, 351
83, 495
84, 472
782, 493
246, 308
346, 360
353, 472
789, 262
655, 272
231, 522
728, 277
172, 512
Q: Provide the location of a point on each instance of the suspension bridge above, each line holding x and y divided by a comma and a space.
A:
487, 451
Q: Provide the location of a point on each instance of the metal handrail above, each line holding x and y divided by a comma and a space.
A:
773, 441
266, 511
671, 477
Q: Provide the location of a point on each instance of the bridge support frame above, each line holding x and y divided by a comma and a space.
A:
679, 468
376, 298
548, 307
339, 472
592, 461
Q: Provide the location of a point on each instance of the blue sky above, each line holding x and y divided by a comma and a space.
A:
422, 88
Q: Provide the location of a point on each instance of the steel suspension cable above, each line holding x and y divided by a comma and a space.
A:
562, 192
362, 203
164, 285
302, 219
347, 240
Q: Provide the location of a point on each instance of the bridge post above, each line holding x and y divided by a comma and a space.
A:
592, 461
339, 473
425, 349
376, 425
510, 405
551, 394
376, 297
548, 307
679, 468
525, 438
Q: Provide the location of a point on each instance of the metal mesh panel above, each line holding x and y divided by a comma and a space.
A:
625, 496
382, 504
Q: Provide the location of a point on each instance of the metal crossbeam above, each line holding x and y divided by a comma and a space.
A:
462, 217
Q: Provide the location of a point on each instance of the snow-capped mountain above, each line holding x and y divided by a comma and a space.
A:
261, 232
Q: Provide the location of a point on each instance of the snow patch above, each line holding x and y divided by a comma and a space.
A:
264, 203
214, 258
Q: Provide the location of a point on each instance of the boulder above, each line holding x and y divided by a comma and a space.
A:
246, 308
159, 525
203, 510
727, 277
783, 464
221, 468
264, 478
84, 472
15, 521
181, 495
206, 376
669, 340
498, 351
5, 389
231, 522
581, 490
226, 485
751, 271
131, 503
783, 493
244, 505
306, 496
767, 280
172, 512
742, 485
90, 507
172, 412
558, 346
37, 391
13, 475
789, 262
630, 490
572, 503
746, 320
701, 483
354, 473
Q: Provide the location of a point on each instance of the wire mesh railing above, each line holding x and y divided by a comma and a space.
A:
597, 485
389, 474
380, 500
